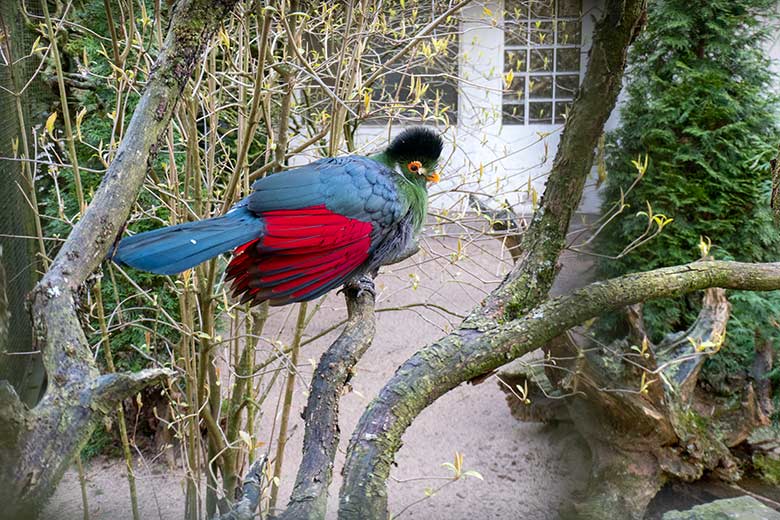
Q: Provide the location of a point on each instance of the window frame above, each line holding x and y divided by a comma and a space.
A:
554, 73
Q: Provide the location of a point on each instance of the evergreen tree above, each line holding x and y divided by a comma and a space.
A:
701, 106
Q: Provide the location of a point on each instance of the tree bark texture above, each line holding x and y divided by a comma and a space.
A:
637, 412
321, 438
38, 444
534, 272
245, 507
497, 331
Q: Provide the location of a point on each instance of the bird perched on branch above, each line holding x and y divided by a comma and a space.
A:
308, 230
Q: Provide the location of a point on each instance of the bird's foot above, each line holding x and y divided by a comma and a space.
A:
364, 284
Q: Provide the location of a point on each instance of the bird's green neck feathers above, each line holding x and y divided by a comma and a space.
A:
412, 190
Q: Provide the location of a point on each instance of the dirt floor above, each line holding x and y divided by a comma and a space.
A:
528, 469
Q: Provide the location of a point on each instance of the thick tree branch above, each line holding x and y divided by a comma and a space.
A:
64, 418
534, 271
321, 439
471, 352
12, 415
708, 329
251, 493
110, 389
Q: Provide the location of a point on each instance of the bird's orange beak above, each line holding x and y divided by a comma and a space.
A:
432, 177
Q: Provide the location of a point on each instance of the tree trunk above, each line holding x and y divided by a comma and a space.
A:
472, 350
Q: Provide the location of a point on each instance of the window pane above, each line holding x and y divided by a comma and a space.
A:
426, 89
513, 114
515, 61
542, 8
561, 110
569, 33
516, 92
515, 9
540, 87
566, 86
568, 60
542, 33
569, 7
516, 33
541, 60
540, 113
545, 38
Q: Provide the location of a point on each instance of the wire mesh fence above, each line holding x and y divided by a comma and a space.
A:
18, 98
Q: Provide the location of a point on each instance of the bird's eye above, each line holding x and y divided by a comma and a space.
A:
414, 166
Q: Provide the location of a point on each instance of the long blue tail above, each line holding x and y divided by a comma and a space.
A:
175, 249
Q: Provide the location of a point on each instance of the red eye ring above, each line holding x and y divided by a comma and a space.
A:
414, 166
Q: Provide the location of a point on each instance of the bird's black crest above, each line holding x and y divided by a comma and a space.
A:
418, 143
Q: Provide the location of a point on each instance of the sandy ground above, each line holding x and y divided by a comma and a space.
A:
528, 469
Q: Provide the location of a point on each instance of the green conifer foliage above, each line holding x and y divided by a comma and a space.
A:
701, 104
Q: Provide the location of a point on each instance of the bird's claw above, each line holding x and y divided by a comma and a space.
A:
366, 285
363, 285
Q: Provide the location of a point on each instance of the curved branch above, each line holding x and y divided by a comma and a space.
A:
479, 345
709, 328
321, 439
470, 352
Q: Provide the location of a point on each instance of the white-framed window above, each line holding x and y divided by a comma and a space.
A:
542, 60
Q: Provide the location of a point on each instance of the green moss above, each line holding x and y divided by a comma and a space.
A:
516, 306
691, 424
767, 468
741, 508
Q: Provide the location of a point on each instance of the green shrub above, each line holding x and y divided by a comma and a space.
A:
700, 104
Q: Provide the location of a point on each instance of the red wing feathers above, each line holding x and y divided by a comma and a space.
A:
302, 254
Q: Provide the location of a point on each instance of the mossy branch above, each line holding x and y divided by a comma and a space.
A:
471, 352
111, 389
537, 265
480, 345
